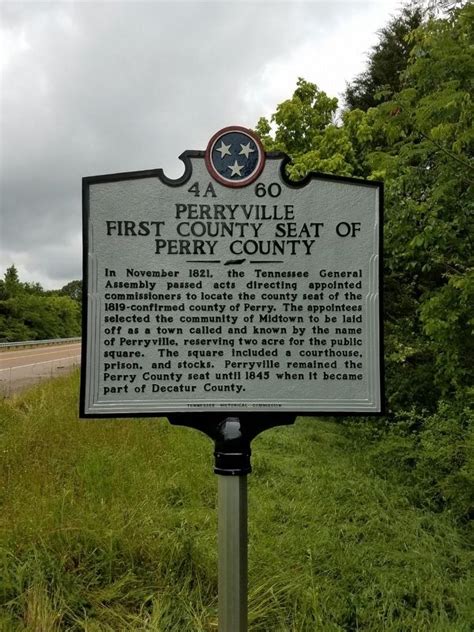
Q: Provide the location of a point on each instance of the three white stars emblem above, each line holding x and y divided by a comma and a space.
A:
234, 156
245, 150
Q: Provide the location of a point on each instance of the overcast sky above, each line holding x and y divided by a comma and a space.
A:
90, 88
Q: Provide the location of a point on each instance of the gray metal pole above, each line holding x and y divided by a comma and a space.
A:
232, 552
232, 437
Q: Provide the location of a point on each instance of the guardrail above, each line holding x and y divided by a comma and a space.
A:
34, 343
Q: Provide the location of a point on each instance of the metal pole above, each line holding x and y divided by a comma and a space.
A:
232, 552
232, 437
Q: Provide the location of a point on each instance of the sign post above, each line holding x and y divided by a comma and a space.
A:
232, 552
232, 439
231, 300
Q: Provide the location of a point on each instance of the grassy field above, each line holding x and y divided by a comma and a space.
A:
111, 525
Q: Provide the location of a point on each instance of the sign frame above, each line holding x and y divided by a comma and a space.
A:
202, 414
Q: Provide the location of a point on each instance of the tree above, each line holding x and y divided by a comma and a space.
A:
29, 313
420, 143
386, 62
306, 130
73, 289
425, 159
10, 286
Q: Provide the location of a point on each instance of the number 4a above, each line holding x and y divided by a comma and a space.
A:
195, 190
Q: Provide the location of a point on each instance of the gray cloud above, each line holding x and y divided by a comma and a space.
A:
93, 88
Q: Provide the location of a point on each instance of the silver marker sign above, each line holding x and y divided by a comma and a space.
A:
231, 288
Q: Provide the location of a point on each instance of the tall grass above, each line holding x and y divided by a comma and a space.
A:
111, 525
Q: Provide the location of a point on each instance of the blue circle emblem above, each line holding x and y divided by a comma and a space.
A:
235, 157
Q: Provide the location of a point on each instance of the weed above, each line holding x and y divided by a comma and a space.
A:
111, 525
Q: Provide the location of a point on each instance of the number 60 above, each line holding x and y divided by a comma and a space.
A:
273, 190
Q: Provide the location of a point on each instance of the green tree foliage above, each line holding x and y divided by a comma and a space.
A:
306, 130
10, 285
386, 62
419, 141
73, 289
29, 313
425, 141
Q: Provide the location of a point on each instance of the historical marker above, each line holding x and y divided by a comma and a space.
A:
231, 289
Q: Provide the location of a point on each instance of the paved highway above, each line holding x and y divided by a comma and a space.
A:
20, 368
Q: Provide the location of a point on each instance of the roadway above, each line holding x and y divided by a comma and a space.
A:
21, 367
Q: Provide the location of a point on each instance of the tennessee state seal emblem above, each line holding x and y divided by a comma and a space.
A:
235, 157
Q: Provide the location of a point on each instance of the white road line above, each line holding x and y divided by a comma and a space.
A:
23, 366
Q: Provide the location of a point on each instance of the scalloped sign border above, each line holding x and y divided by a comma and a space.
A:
94, 405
